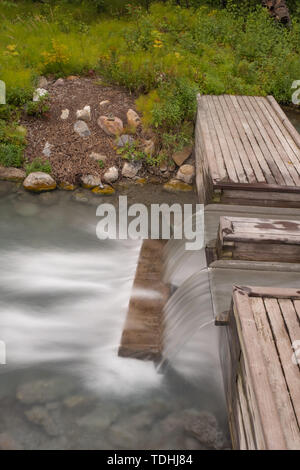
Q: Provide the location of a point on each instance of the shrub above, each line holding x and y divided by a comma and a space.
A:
38, 108
38, 164
11, 155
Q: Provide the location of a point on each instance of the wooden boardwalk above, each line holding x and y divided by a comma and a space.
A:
247, 151
261, 374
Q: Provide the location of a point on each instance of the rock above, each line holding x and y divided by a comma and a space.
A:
40, 416
111, 175
130, 169
72, 77
39, 93
181, 156
84, 114
140, 181
64, 114
98, 157
66, 186
149, 147
203, 426
186, 173
107, 190
39, 181
26, 209
80, 196
43, 391
90, 181
111, 126
163, 167
125, 140
104, 102
82, 129
42, 82
100, 418
12, 174
133, 119
48, 198
47, 150
59, 82
74, 401
7, 442
175, 185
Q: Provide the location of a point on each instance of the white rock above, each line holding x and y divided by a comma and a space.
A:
111, 175
130, 170
43, 82
133, 119
149, 147
47, 149
84, 114
186, 173
39, 181
39, 93
90, 181
64, 114
82, 129
105, 102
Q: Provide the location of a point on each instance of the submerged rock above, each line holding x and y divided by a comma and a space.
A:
111, 126
81, 128
80, 196
203, 426
66, 186
175, 185
100, 418
40, 416
43, 391
7, 442
39, 181
12, 174
105, 191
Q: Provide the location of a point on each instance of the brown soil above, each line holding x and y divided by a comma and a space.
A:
70, 152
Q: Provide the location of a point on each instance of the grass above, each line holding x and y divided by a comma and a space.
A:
167, 54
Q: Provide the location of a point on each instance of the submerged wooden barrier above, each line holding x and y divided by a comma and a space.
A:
247, 152
141, 337
260, 369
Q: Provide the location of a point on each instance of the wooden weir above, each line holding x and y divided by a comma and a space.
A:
247, 152
260, 368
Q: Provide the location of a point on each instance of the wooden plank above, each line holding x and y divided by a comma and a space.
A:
283, 135
271, 292
257, 373
223, 143
221, 169
240, 171
275, 376
279, 153
243, 443
282, 340
297, 310
264, 163
245, 414
245, 141
285, 120
277, 168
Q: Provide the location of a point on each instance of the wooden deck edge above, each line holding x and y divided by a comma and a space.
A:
142, 334
256, 187
284, 119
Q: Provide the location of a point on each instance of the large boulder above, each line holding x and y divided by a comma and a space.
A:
12, 174
111, 125
39, 181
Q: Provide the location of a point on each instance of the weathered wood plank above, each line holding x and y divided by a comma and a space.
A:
254, 143
279, 173
223, 143
285, 120
275, 376
277, 150
277, 316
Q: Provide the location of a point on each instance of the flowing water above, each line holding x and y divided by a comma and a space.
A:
63, 302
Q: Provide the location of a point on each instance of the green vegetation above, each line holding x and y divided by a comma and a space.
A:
11, 155
38, 164
163, 51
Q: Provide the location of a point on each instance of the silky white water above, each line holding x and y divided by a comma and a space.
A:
63, 302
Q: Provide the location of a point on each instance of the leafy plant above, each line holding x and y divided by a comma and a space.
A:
38, 164
131, 152
11, 155
38, 108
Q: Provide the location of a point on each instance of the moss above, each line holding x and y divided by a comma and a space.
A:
176, 185
105, 191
